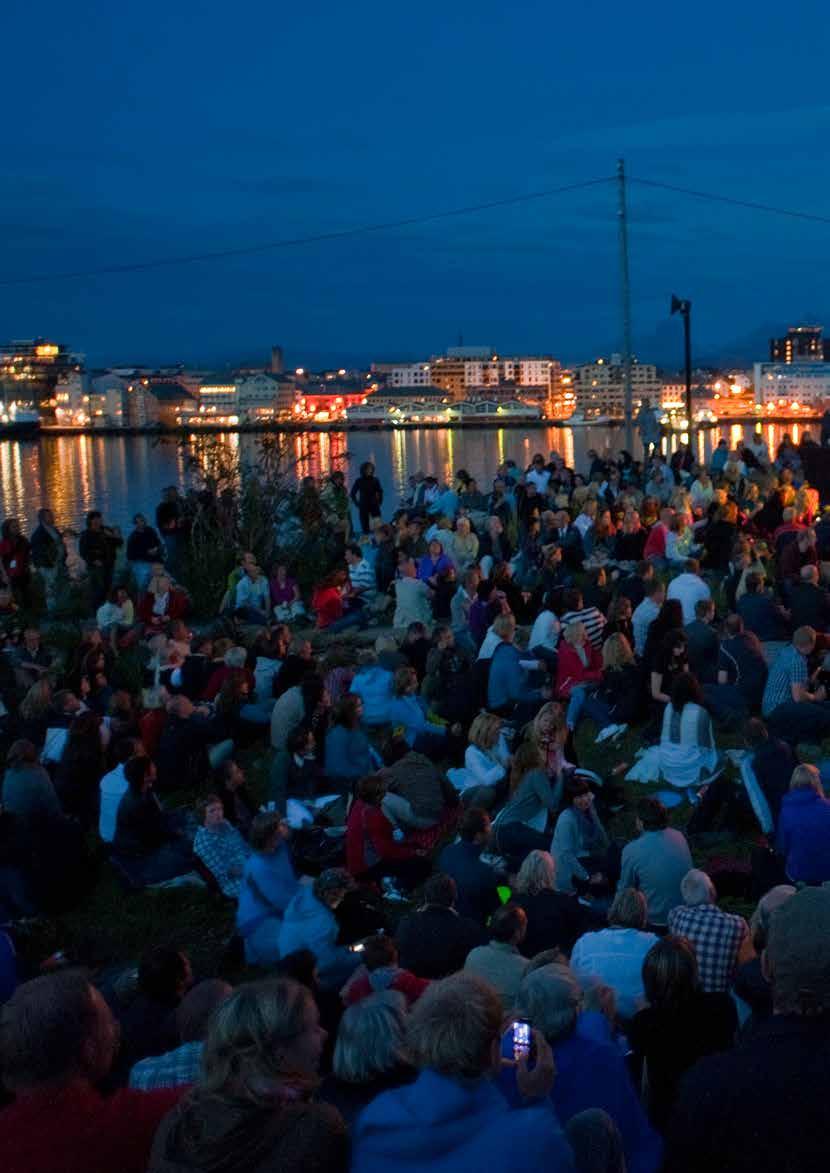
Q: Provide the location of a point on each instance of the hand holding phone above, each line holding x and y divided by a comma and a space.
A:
536, 1082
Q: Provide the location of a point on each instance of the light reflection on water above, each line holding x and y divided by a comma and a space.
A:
122, 475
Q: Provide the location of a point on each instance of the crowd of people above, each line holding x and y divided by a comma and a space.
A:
452, 939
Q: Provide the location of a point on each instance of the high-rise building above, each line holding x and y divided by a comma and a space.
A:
800, 344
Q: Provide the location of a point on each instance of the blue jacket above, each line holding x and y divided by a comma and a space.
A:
268, 885
348, 753
804, 835
310, 924
374, 687
591, 1073
442, 1125
507, 682
411, 712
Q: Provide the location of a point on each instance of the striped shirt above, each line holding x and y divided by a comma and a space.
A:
593, 619
362, 578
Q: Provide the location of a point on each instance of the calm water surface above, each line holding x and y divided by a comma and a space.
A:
122, 475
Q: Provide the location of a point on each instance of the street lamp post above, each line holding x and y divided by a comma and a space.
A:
683, 307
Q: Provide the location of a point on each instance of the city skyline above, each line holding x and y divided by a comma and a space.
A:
154, 135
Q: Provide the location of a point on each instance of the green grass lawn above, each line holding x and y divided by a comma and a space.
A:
116, 926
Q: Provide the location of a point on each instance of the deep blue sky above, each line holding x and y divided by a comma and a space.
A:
143, 131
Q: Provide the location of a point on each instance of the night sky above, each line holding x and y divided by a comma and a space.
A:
147, 131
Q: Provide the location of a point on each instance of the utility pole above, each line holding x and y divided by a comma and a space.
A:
682, 306
625, 293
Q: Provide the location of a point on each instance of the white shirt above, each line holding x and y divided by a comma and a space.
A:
113, 788
615, 956
583, 523
545, 632
539, 478
488, 645
688, 589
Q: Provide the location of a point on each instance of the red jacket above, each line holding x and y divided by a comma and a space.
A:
177, 605
404, 982
74, 1129
570, 670
369, 833
656, 541
327, 603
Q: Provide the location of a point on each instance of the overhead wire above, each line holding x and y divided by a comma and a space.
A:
403, 222
733, 200
294, 242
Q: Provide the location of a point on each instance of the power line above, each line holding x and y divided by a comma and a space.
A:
738, 203
294, 242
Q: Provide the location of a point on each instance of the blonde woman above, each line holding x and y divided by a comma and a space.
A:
549, 730
485, 762
617, 698
520, 824
554, 919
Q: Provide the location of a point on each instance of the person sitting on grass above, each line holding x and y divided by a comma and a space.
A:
380, 958
58, 1043
150, 844
267, 888
252, 1108
374, 849
329, 605
581, 844
310, 923
220, 847
452, 1109
370, 1054
349, 756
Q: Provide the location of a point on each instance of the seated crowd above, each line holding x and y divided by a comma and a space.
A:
466, 946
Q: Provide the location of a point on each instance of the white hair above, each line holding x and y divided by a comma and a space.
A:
697, 888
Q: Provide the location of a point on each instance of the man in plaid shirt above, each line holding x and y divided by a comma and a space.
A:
181, 1067
718, 937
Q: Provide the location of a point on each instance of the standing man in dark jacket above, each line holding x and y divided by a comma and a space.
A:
97, 547
47, 553
763, 1106
367, 495
143, 549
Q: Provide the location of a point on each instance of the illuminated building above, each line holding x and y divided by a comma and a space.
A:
789, 387
326, 401
600, 386
468, 370
800, 344
31, 369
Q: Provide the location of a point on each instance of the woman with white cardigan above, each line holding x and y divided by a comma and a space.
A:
486, 760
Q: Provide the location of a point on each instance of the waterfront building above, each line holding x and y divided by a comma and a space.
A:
791, 385
600, 386
325, 401
465, 370
30, 370
413, 374
800, 344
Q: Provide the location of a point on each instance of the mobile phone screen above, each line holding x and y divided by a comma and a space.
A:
521, 1040
358, 948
